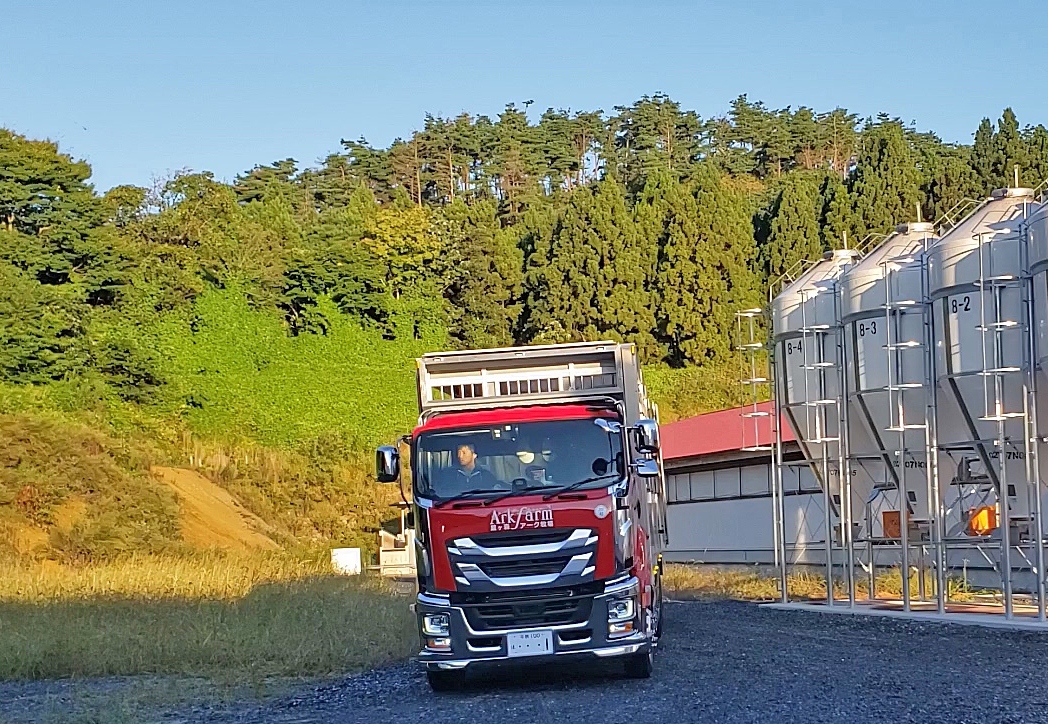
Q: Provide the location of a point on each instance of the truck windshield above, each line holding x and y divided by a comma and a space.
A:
527, 455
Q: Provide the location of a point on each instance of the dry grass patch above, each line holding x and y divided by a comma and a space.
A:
695, 582
223, 616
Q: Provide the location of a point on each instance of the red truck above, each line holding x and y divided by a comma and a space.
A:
538, 503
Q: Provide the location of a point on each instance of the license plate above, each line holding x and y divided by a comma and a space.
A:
529, 643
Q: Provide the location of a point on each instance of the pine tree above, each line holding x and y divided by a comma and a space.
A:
886, 183
653, 133
558, 152
484, 273
650, 213
947, 177
624, 307
262, 181
705, 270
517, 159
1009, 151
795, 225
562, 305
1037, 154
535, 231
838, 222
983, 153
838, 138
595, 283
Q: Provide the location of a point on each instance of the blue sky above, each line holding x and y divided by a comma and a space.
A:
141, 89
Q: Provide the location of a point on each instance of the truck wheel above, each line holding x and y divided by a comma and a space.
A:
441, 680
658, 610
638, 666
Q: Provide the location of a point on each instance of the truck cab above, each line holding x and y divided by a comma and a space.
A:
539, 508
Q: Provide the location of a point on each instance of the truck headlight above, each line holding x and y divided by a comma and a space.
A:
436, 624
620, 609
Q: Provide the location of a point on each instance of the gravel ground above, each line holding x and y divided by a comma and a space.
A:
719, 662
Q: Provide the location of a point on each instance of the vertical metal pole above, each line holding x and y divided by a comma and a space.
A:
827, 499
931, 443
1032, 435
872, 571
778, 493
780, 503
891, 333
1004, 498
922, 593
844, 449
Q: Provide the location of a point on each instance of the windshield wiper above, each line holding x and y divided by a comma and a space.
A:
575, 486
462, 496
518, 491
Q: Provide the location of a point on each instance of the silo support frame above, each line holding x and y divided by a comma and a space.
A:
931, 443
779, 512
1032, 440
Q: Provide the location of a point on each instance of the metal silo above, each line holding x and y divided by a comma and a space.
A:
1037, 252
808, 357
977, 282
886, 343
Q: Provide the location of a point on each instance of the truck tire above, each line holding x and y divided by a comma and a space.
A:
658, 609
638, 666
441, 680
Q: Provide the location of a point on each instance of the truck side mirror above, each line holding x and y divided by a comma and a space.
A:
648, 468
647, 432
387, 464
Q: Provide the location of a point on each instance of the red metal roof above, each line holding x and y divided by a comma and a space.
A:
721, 431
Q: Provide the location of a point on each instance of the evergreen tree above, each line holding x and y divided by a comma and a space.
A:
705, 269
1009, 151
650, 212
558, 150
485, 273
624, 305
984, 152
653, 133
276, 178
886, 183
795, 224
838, 222
1037, 154
595, 283
332, 262
947, 177
41, 329
517, 159
838, 139
536, 230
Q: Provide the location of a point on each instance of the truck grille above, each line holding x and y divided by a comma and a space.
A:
524, 559
552, 607
502, 569
546, 613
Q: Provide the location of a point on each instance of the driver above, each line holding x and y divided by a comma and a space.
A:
469, 475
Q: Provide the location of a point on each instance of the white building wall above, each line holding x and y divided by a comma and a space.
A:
725, 516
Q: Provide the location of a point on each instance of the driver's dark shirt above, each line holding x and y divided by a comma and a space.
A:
478, 477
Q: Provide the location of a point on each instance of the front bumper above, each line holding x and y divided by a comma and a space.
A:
480, 646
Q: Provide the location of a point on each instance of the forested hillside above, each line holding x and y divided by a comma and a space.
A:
264, 330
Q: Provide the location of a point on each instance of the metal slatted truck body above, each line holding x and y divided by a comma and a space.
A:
539, 510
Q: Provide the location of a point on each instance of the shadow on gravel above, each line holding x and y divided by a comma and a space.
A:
555, 676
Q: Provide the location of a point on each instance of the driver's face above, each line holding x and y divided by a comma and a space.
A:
466, 456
